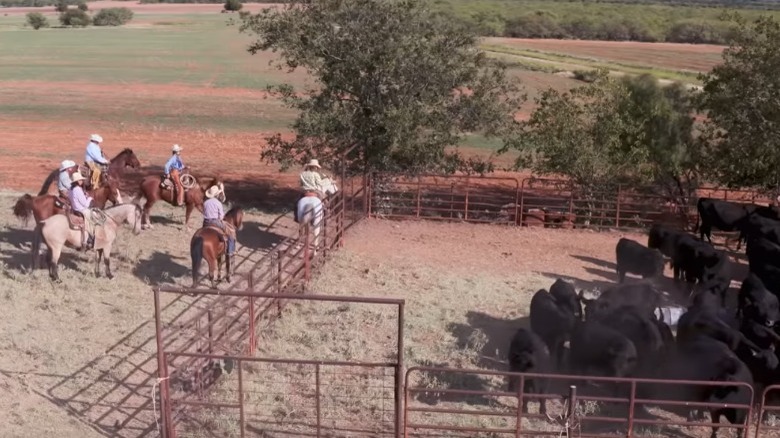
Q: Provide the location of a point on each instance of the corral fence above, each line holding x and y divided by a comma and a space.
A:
531, 201
452, 402
208, 391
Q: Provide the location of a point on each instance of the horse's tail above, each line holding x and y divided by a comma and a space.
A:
196, 252
23, 209
49, 179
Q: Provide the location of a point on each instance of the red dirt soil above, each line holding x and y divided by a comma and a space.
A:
698, 57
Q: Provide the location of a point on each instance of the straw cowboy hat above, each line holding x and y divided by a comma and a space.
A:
213, 191
67, 164
77, 176
96, 138
314, 163
176, 148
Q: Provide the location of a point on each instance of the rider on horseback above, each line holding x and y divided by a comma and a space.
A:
310, 183
95, 159
81, 204
64, 182
213, 213
173, 170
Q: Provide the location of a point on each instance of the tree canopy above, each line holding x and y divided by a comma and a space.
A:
396, 84
741, 99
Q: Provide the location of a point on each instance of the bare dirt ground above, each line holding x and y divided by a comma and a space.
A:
78, 359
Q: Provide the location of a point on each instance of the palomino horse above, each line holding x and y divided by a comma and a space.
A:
193, 198
208, 242
55, 232
126, 158
44, 206
311, 211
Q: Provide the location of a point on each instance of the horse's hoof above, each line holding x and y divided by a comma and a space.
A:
110, 276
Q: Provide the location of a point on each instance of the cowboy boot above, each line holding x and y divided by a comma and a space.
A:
180, 194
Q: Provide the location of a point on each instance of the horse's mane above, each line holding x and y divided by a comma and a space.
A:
234, 211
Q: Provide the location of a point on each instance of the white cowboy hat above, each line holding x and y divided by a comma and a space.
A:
176, 148
77, 176
67, 164
213, 191
96, 138
314, 163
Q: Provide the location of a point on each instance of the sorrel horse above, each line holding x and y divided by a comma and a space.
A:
208, 243
45, 206
116, 169
56, 233
193, 198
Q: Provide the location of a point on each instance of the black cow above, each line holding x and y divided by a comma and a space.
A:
716, 324
760, 226
691, 259
716, 274
723, 215
643, 331
566, 297
552, 321
598, 350
705, 359
764, 260
664, 239
642, 295
529, 354
753, 292
635, 258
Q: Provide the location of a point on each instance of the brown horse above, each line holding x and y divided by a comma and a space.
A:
209, 243
45, 206
193, 198
116, 169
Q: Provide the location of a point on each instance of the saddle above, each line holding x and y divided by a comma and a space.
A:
87, 173
60, 203
166, 183
75, 222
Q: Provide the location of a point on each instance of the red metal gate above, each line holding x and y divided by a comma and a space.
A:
468, 403
205, 386
768, 421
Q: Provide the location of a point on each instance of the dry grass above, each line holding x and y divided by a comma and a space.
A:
86, 347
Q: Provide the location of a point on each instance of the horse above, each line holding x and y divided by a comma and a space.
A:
193, 197
56, 233
126, 158
208, 242
44, 206
311, 211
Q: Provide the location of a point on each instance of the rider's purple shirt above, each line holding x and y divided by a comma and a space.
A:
79, 200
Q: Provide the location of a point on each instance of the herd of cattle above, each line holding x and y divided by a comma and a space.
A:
624, 333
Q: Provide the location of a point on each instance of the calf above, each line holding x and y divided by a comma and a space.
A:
691, 258
760, 226
641, 295
643, 331
764, 260
716, 275
753, 292
712, 323
635, 258
552, 322
529, 354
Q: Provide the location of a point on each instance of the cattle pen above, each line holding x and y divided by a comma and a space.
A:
213, 383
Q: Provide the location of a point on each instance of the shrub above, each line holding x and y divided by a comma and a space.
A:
586, 75
113, 17
75, 18
36, 20
233, 5
83, 7
61, 6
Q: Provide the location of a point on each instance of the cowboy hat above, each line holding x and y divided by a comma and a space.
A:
67, 164
314, 163
77, 176
176, 148
97, 138
213, 191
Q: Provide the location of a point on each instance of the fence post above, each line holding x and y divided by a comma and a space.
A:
466, 203
419, 189
162, 371
617, 207
399, 372
517, 203
317, 397
369, 194
209, 320
241, 399
522, 202
571, 409
631, 404
306, 255
251, 325
520, 396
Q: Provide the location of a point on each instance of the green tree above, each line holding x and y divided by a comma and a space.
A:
113, 17
582, 134
741, 98
61, 6
75, 18
36, 20
233, 5
396, 84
